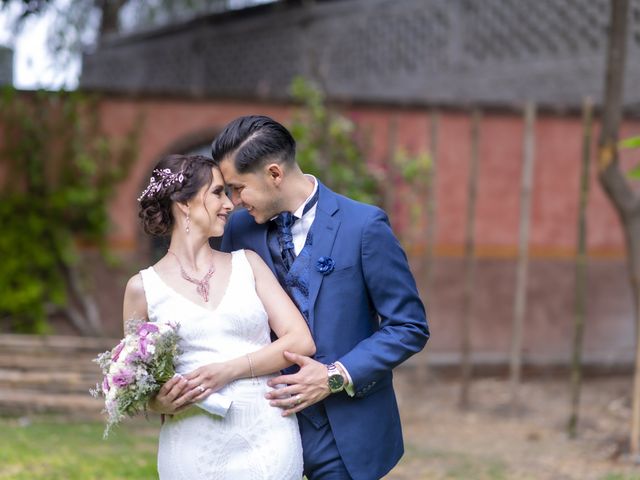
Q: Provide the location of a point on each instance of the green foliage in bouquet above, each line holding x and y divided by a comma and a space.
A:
58, 170
326, 146
163, 368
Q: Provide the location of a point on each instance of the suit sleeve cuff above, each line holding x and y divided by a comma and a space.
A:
349, 388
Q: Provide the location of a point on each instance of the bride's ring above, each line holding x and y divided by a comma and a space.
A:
298, 399
201, 388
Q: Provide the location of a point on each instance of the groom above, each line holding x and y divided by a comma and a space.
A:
345, 270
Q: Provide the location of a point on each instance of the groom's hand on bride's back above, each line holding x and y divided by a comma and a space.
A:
174, 396
304, 388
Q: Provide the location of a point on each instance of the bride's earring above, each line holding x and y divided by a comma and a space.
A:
186, 227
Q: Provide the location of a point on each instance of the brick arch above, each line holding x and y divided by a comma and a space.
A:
153, 246
169, 125
191, 140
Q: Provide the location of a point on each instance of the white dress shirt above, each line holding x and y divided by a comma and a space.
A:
301, 227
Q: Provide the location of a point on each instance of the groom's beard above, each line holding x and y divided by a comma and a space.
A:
272, 208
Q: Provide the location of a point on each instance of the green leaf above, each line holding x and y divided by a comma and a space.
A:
631, 142
64, 173
634, 173
327, 145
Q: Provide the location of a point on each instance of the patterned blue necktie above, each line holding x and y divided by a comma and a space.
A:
284, 221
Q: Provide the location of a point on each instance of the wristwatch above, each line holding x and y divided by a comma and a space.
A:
336, 380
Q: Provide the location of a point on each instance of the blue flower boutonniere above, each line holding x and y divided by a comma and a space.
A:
325, 265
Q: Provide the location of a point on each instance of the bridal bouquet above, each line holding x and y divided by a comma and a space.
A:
136, 368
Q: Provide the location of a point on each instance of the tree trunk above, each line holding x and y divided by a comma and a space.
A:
615, 184
81, 308
633, 243
520, 302
109, 19
581, 269
470, 259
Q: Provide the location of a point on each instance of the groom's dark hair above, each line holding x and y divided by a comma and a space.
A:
254, 140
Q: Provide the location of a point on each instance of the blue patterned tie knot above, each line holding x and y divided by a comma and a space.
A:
284, 221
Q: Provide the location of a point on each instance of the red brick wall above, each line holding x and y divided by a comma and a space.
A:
172, 125
169, 124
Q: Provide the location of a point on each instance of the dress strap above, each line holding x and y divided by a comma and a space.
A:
154, 291
241, 264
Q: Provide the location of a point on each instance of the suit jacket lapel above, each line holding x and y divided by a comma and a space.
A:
262, 247
325, 228
256, 240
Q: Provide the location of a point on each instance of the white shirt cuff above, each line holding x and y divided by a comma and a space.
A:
349, 388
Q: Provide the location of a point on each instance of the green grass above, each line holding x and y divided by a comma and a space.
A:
423, 463
66, 450
54, 449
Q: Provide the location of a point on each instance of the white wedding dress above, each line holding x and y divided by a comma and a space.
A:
253, 440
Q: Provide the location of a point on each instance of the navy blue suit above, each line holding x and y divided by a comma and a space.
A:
366, 313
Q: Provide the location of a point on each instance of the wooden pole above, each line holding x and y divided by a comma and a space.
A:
428, 265
391, 184
470, 260
432, 224
581, 269
520, 302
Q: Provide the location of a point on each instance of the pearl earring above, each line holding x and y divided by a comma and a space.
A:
186, 227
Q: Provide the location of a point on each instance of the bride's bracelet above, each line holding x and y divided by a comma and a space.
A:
250, 365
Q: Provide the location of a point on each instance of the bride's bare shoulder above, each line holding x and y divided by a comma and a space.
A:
135, 285
253, 258
135, 301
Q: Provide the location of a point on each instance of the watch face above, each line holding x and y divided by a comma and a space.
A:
336, 382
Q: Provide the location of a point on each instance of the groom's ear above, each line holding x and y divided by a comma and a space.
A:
275, 173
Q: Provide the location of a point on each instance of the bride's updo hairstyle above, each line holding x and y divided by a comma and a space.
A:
176, 178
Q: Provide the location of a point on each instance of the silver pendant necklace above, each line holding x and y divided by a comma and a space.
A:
202, 286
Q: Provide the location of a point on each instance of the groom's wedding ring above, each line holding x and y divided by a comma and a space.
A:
201, 388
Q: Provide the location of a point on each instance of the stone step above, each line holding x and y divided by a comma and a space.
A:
50, 374
50, 344
65, 382
24, 362
19, 401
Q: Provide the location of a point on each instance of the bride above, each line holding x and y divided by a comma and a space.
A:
226, 305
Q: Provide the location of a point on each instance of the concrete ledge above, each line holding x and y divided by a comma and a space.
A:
537, 365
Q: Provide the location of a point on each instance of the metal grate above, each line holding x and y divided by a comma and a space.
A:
515, 31
455, 51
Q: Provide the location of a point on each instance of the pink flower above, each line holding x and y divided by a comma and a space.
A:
122, 378
143, 346
105, 385
147, 328
141, 353
116, 351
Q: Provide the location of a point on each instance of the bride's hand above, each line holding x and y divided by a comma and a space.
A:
209, 378
174, 396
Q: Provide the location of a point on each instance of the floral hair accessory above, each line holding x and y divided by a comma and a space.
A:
165, 178
325, 265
